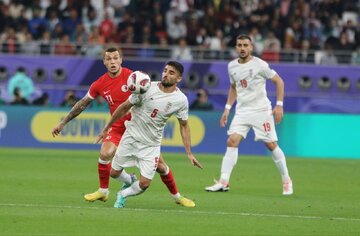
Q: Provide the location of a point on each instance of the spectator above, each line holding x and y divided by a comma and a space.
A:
37, 24
201, 102
181, 51
99, 103
355, 57
271, 53
43, 100
70, 99
18, 98
306, 55
22, 82
106, 27
177, 29
64, 46
328, 58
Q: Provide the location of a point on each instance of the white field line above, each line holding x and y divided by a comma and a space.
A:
189, 211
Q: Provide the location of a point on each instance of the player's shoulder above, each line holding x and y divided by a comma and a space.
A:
181, 94
103, 76
260, 62
233, 63
126, 71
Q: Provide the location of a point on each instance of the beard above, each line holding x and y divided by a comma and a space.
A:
166, 84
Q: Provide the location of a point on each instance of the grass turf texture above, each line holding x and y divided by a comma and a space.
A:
42, 194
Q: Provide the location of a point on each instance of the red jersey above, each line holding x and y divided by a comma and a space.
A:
114, 91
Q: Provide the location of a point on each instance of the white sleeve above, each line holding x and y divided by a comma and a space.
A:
232, 80
183, 112
135, 99
267, 72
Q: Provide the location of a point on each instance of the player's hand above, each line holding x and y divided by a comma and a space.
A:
56, 131
101, 136
194, 161
224, 118
278, 114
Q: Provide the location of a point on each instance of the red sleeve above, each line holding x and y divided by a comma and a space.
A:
94, 89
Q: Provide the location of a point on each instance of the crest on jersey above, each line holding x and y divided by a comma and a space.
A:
124, 88
168, 106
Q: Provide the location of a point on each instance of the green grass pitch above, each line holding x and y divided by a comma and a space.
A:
42, 194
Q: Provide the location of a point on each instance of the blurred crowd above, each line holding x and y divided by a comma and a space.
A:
274, 25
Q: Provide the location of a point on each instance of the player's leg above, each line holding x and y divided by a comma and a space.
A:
146, 158
237, 131
107, 151
228, 163
169, 180
264, 128
280, 162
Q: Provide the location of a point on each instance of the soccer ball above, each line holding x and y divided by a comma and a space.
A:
138, 82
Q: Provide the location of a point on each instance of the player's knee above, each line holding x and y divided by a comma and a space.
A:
271, 146
233, 142
115, 173
161, 168
106, 155
144, 184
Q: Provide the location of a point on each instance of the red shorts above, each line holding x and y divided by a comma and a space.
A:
115, 135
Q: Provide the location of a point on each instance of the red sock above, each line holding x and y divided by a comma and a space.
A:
169, 181
104, 174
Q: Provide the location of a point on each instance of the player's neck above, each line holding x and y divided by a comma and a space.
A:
245, 59
167, 89
113, 75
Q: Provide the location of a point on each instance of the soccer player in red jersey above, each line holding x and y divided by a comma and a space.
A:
112, 86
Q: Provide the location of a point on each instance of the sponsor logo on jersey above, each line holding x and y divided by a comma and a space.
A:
124, 88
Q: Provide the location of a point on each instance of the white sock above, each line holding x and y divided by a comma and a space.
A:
280, 162
124, 177
133, 190
176, 195
104, 190
103, 162
229, 161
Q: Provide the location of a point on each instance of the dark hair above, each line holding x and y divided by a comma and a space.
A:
178, 66
112, 49
21, 69
243, 36
202, 91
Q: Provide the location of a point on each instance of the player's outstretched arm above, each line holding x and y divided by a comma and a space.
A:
121, 111
79, 107
185, 135
230, 101
278, 110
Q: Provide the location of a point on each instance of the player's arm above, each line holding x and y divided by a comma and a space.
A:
230, 101
120, 111
79, 107
278, 110
185, 136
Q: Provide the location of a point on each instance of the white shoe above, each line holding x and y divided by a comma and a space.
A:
288, 188
218, 187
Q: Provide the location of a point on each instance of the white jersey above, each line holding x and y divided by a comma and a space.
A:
250, 80
150, 112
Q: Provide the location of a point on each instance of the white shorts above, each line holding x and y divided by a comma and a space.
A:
262, 122
133, 153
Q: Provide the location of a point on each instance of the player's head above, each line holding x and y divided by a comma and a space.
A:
172, 73
244, 46
112, 60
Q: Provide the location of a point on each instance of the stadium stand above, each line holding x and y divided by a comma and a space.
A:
283, 30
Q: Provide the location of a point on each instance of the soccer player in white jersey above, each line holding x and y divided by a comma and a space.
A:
140, 144
248, 75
